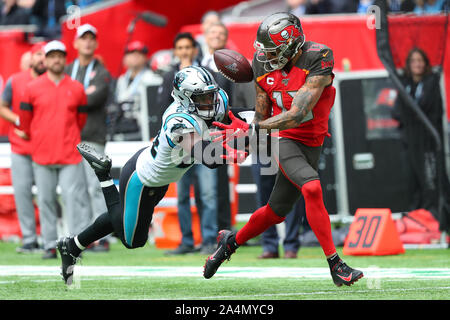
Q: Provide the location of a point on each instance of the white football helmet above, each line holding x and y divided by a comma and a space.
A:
195, 89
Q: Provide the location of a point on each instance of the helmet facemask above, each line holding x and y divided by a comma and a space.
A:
195, 89
205, 104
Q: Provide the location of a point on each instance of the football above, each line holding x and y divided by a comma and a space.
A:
233, 65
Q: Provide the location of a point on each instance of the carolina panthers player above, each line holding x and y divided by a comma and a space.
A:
182, 141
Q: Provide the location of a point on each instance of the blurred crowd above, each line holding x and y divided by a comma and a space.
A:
302, 7
45, 14
106, 109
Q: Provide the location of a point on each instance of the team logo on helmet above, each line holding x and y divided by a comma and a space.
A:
179, 78
286, 35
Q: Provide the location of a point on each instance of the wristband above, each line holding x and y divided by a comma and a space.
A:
17, 122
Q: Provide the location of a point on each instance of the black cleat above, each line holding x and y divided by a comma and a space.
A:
99, 162
223, 251
343, 274
68, 260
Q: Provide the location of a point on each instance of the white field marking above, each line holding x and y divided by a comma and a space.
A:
226, 272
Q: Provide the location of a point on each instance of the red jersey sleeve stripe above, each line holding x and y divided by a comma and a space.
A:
26, 106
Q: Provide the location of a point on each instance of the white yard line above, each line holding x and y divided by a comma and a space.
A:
331, 292
224, 272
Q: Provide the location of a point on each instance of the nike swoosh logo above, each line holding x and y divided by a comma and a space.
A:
346, 278
325, 54
211, 257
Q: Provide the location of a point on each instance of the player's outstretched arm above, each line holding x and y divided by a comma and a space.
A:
304, 101
263, 105
210, 154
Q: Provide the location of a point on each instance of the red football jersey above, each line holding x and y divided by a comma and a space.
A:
281, 86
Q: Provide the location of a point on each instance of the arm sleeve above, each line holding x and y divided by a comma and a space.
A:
26, 112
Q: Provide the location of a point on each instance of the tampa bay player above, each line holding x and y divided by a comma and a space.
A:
182, 141
294, 81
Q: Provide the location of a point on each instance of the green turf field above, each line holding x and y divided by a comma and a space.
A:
146, 273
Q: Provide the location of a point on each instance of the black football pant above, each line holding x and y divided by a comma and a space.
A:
129, 212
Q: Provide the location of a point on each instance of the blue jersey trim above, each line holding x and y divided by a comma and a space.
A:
187, 117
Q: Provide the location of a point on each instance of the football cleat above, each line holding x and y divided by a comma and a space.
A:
222, 253
343, 274
100, 163
68, 260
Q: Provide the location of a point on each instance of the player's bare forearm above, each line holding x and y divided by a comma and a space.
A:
304, 101
6, 113
263, 106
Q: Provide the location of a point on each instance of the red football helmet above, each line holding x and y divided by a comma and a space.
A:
278, 39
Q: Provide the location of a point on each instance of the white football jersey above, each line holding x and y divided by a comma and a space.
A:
164, 161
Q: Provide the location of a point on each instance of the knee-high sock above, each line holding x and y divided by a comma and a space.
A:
110, 192
317, 215
101, 227
260, 221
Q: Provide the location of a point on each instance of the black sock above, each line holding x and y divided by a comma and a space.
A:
232, 242
333, 260
101, 227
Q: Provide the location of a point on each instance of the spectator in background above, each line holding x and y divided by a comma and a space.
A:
12, 14
207, 20
297, 7
128, 95
407, 5
85, 3
430, 6
364, 5
21, 164
244, 97
53, 114
393, 5
216, 37
423, 85
318, 7
96, 81
203, 178
185, 51
343, 6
